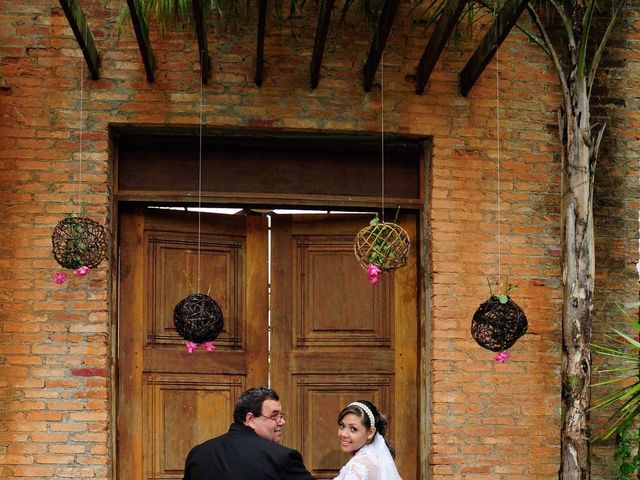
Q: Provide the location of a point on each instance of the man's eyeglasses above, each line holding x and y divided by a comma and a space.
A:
276, 417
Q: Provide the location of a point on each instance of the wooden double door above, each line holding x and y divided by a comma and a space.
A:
299, 315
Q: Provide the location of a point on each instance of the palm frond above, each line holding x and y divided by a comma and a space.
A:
613, 380
626, 352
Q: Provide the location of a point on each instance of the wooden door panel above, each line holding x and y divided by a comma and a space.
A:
345, 340
170, 400
321, 398
179, 411
174, 257
329, 306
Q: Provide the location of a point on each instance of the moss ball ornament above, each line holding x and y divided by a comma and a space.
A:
498, 323
381, 247
383, 244
198, 319
79, 242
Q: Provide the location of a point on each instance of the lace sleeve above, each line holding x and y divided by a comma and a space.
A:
358, 468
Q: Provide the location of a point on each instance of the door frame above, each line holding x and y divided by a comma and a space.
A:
422, 147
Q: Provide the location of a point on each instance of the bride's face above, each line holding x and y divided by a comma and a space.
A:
352, 434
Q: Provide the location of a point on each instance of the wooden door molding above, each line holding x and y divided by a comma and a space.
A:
261, 169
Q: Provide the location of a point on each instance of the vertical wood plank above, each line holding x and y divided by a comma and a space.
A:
281, 318
405, 415
130, 361
257, 308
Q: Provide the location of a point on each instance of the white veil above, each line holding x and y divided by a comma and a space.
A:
387, 466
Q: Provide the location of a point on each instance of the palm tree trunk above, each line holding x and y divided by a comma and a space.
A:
578, 277
579, 153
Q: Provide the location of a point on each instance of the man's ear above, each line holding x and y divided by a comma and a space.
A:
249, 420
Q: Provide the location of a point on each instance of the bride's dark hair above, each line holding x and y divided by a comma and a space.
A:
380, 419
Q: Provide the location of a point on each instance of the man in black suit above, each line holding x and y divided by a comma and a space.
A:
250, 450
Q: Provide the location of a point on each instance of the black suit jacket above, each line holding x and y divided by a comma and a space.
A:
240, 454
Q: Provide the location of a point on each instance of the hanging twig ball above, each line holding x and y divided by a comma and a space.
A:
79, 242
496, 326
198, 318
383, 244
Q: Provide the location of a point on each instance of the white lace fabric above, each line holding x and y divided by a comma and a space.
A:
371, 462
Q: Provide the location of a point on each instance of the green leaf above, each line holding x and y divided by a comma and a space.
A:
625, 398
627, 468
503, 298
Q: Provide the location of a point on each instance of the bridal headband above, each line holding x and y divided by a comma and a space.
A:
366, 410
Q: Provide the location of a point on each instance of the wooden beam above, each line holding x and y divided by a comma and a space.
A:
262, 22
389, 10
201, 33
78, 22
441, 33
500, 28
324, 17
142, 35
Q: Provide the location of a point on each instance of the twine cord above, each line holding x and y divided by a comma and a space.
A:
498, 155
81, 131
382, 128
200, 174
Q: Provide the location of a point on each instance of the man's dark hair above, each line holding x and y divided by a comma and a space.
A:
251, 401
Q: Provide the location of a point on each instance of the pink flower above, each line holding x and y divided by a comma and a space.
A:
79, 272
192, 346
60, 278
372, 272
502, 357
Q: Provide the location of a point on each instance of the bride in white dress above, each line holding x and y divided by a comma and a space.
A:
361, 430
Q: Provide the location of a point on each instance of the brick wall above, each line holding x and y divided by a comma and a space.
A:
488, 421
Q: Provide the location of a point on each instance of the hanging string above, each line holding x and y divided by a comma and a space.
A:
81, 129
498, 151
200, 172
382, 127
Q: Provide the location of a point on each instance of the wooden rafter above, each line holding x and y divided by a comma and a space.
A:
78, 23
500, 28
262, 21
379, 41
142, 36
441, 33
201, 33
324, 17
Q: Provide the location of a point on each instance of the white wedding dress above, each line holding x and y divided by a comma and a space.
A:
371, 462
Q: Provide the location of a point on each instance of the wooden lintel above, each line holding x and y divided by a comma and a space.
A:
262, 22
142, 36
201, 33
324, 17
78, 23
499, 30
441, 33
379, 41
